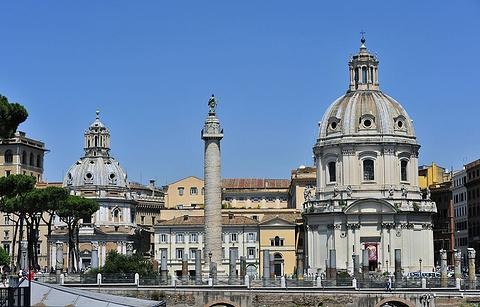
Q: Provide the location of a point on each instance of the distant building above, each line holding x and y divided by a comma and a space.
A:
436, 182
264, 201
183, 236
460, 207
21, 155
472, 184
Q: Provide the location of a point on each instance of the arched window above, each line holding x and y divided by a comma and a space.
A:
403, 170
364, 74
371, 75
24, 157
39, 161
368, 170
276, 241
32, 159
96, 141
8, 156
332, 171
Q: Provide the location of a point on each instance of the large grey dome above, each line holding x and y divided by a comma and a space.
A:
366, 113
96, 167
99, 171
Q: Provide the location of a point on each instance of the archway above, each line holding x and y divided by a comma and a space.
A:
221, 304
394, 302
278, 264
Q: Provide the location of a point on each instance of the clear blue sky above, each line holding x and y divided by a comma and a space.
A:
275, 66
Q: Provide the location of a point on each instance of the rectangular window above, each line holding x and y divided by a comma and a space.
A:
6, 234
7, 173
7, 219
142, 220
179, 253
223, 252
255, 217
368, 170
193, 253
194, 237
233, 237
153, 220
193, 191
251, 253
39, 250
332, 172
180, 191
6, 247
251, 237
179, 238
163, 238
403, 170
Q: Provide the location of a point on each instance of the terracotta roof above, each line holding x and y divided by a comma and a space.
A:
199, 220
254, 183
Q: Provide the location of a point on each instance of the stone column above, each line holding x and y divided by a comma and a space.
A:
198, 266
457, 255
24, 255
212, 133
243, 266
184, 266
365, 263
59, 260
300, 266
232, 260
94, 262
333, 264
129, 248
355, 265
163, 265
471, 267
398, 264
104, 252
266, 264
443, 268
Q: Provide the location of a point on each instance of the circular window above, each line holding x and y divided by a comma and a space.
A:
112, 175
333, 125
400, 124
92, 162
89, 176
367, 123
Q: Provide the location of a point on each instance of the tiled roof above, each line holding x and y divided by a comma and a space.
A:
254, 183
199, 220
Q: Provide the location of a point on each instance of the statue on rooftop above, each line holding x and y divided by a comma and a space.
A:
212, 103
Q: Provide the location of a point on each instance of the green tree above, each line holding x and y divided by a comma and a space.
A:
11, 115
13, 190
118, 263
4, 257
71, 211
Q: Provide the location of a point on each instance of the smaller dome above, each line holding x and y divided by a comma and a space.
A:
96, 171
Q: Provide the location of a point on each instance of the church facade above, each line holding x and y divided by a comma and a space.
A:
367, 209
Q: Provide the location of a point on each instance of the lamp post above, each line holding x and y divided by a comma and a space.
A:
210, 264
386, 262
420, 262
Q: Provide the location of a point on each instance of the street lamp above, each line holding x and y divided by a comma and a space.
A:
420, 262
386, 262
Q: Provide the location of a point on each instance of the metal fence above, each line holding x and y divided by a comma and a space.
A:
373, 282
15, 295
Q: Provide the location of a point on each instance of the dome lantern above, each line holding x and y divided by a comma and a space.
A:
363, 69
97, 139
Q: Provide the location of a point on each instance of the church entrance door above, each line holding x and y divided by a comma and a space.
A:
372, 248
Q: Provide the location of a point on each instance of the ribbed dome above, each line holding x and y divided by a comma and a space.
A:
365, 113
96, 167
99, 171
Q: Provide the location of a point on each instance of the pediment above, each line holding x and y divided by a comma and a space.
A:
370, 206
277, 221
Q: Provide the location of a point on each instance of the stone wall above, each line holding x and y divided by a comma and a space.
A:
271, 298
